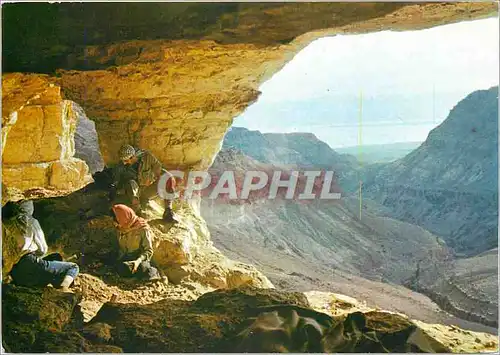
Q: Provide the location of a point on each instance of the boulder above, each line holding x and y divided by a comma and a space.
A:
99, 332
179, 326
256, 320
28, 314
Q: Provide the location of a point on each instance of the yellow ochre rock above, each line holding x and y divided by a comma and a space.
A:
38, 139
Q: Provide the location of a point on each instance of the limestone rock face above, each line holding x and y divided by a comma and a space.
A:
176, 99
64, 27
214, 269
38, 138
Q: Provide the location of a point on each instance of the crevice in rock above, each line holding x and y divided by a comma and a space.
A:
87, 141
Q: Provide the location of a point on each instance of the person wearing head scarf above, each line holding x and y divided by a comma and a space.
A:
33, 267
139, 173
135, 243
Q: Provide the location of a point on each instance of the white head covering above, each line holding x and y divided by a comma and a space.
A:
27, 207
34, 238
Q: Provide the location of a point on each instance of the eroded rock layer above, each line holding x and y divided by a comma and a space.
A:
176, 99
38, 139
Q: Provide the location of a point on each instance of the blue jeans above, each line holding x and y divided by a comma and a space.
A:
32, 270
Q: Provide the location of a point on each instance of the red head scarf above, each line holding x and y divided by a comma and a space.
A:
127, 219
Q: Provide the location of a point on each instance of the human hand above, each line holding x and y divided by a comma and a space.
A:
136, 265
145, 182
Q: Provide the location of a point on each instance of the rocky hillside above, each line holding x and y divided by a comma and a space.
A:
297, 149
327, 233
323, 245
449, 184
316, 232
291, 149
453, 284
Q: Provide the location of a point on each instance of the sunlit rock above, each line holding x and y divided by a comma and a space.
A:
38, 145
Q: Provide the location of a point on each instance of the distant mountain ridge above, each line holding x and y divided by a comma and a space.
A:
294, 149
449, 185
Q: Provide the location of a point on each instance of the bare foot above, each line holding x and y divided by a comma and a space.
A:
66, 289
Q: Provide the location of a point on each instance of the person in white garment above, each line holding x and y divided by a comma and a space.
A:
32, 268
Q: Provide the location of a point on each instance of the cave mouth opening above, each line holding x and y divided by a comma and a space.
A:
377, 88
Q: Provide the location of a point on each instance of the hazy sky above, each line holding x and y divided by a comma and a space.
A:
409, 81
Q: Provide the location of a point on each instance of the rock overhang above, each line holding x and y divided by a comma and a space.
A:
172, 77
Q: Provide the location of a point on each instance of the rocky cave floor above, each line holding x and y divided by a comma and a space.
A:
110, 314
99, 284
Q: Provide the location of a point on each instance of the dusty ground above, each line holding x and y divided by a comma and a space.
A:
96, 292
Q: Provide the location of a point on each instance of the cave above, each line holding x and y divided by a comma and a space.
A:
170, 78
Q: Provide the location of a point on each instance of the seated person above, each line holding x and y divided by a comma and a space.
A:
135, 245
32, 269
